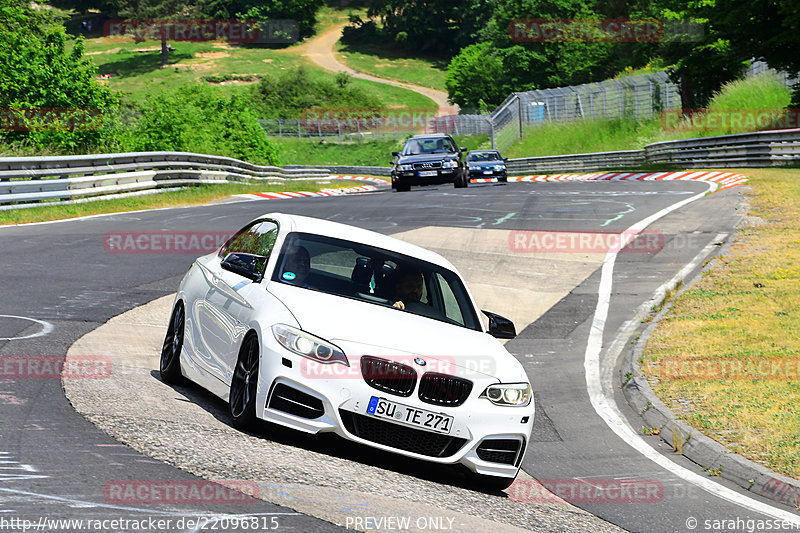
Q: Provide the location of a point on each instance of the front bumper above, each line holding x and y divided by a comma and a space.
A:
413, 177
329, 399
488, 174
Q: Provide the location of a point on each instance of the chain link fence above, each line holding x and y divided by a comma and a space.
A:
638, 97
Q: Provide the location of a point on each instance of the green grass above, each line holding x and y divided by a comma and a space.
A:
138, 74
386, 62
201, 194
744, 311
556, 138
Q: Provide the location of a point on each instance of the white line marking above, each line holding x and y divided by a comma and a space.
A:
47, 327
606, 409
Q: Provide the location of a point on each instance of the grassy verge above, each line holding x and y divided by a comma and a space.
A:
556, 138
387, 62
201, 194
742, 315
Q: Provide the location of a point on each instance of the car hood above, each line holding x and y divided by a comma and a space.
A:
361, 328
421, 158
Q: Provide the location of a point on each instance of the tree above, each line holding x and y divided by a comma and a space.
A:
40, 75
159, 10
475, 75
304, 12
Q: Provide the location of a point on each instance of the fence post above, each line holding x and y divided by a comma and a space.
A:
394, 124
298, 128
491, 127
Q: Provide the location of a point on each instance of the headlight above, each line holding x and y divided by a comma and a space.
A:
516, 394
450, 164
474, 167
405, 168
500, 167
307, 345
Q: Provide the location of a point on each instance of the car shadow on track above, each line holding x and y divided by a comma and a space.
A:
333, 445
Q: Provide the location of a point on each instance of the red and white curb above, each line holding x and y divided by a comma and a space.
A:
379, 184
724, 180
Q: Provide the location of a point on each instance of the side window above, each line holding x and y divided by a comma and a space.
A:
256, 239
451, 308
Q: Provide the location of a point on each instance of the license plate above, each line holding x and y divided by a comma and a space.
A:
487, 172
427, 173
410, 416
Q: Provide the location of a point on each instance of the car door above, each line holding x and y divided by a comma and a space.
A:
225, 303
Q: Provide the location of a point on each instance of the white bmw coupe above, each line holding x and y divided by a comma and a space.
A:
321, 326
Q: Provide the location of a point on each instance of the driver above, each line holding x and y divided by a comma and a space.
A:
407, 288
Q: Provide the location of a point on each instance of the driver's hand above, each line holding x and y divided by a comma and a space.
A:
398, 304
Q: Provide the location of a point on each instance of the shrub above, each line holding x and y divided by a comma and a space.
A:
198, 118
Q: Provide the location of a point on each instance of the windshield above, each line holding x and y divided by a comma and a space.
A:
483, 156
375, 276
441, 145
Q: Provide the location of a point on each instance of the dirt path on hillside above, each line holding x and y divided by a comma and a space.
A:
320, 50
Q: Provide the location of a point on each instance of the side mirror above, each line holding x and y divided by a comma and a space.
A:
244, 265
505, 159
464, 149
500, 327
396, 154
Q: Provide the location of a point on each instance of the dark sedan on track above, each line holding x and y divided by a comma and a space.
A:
427, 160
487, 164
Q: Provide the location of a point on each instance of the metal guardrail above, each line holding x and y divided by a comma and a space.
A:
760, 149
35, 179
578, 162
349, 170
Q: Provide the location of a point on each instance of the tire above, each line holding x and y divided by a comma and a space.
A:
402, 187
244, 385
504, 179
462, 181
170, 365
